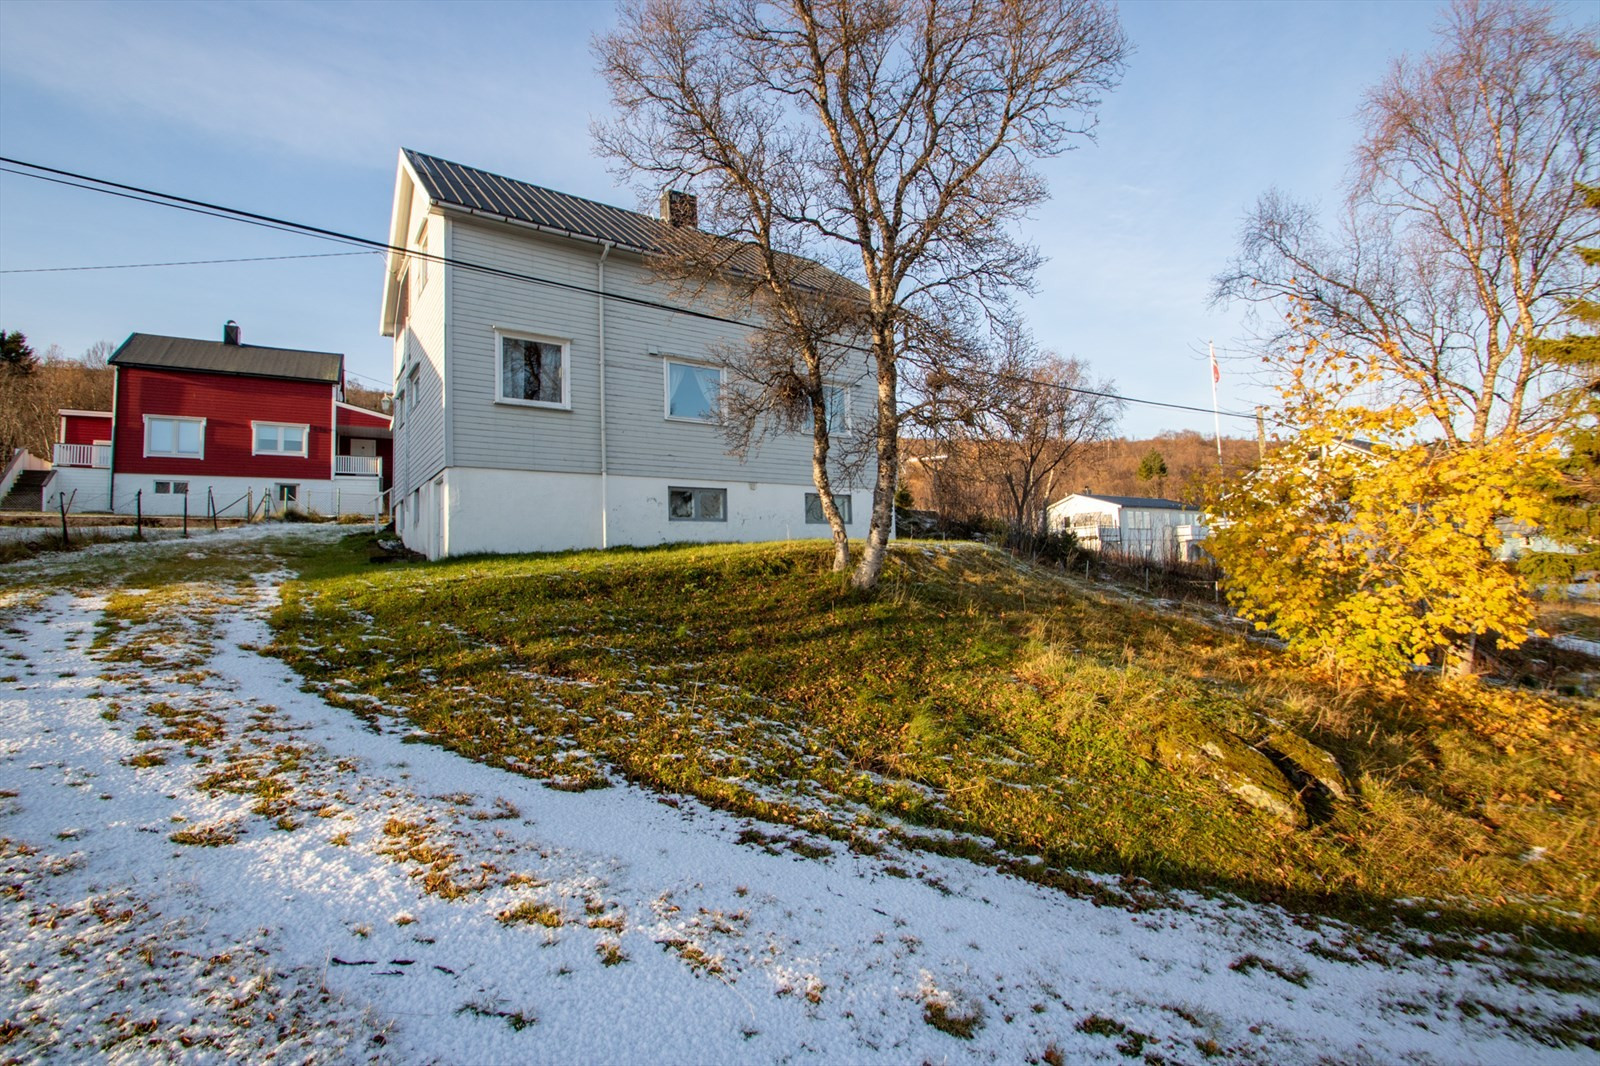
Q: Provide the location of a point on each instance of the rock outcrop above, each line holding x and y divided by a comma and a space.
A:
1240, 769
1309, 760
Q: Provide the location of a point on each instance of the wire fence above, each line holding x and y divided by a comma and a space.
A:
159, 509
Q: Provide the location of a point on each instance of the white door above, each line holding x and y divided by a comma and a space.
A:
364, 446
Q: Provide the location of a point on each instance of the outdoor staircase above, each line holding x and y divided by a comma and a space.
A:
27, 492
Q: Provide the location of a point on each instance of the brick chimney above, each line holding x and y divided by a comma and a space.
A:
679, 209
230, 333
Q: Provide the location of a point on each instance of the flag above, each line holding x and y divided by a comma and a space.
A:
1216, 373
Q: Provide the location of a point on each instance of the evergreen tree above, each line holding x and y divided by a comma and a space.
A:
16, 354
1153, 467
1573, 515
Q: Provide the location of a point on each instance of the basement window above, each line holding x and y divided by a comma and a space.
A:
172, 488
287, 495
814, 515
697, 505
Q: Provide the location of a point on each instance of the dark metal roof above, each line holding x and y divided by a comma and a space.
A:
478, 190
455, 185
215, 357
1155, 503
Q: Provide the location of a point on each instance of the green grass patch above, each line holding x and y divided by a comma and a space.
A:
972, 706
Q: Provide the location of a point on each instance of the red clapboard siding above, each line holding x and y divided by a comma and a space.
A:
229, 403
85, 429
369, 419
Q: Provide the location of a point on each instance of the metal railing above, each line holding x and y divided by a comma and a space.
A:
97, 456
356, 464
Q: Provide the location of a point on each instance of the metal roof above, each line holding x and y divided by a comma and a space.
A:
1154, 503
478, 190
455, 185
215, 357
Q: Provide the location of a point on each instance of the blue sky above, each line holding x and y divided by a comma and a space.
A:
299, 109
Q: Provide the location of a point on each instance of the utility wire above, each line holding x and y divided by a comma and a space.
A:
181, 263
202, 207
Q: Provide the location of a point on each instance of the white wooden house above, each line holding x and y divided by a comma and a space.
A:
549, 394
1146, 526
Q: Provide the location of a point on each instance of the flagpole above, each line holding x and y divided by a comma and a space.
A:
1216, 413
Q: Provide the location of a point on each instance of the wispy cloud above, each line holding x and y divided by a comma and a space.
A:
345, 84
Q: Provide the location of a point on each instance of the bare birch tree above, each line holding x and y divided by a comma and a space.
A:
1012, 436
1454, 252
892, 142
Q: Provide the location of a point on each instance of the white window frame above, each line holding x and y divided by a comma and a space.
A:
172, 488
840, 500
697, 516
149, 452
667, 362
839, 419
305, 438
500, 337
286, 499
421, 261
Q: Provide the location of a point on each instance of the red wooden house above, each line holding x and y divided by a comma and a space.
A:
219, 426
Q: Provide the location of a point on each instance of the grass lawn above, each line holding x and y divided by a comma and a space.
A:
972, 706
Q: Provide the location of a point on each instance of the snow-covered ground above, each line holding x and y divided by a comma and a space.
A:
200, 860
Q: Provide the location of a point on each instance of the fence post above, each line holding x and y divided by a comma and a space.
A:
186, 516
249, 506
61, 501
138, 514
211, 505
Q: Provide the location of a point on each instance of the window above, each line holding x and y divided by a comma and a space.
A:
697, 505
693, 391
413, 390
532, 371
172, 488
402, 307
837, 400
286, 494
420, 263
182, 438
814, 515
280, 438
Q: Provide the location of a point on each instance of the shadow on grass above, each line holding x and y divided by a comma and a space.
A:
971, 697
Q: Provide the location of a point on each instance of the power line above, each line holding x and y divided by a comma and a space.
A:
201, 207
181, 263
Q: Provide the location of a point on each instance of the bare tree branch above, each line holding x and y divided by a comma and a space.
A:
1453, 255
891, 142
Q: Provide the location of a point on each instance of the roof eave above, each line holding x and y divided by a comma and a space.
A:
538, 227
406, 179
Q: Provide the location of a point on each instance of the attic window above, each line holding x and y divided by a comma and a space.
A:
402, 307
419, 263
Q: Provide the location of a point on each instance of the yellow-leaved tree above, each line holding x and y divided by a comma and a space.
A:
1366, 547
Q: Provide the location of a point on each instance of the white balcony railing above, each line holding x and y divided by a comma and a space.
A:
366, 465
95, 455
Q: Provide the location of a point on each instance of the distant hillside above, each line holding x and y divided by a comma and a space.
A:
1191, 460
936, 483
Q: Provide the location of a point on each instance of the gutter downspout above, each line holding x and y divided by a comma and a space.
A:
600, 304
